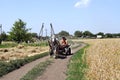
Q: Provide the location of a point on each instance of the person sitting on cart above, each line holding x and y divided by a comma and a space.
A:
63, 43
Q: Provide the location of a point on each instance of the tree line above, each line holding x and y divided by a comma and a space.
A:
19, 33
88, 34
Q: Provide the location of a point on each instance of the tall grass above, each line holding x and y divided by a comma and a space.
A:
77, 66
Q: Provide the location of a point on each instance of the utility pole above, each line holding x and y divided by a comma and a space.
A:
0, 29
0, 33
46, 33
41, 31
52, 30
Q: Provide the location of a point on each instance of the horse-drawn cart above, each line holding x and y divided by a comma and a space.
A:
57, 50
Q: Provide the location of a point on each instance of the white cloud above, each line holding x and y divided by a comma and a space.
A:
82, 3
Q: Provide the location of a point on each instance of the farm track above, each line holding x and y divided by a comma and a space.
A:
56, 71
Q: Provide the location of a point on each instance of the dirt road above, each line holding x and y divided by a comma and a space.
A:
56, 71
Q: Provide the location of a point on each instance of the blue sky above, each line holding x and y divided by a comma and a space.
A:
69, 15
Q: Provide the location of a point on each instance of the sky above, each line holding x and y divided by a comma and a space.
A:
68, 15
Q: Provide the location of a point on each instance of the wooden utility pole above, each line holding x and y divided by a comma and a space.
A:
0, 29
52, 30
41, 32
46, 33
0, 33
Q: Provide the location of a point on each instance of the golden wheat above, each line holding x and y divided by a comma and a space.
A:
103, 59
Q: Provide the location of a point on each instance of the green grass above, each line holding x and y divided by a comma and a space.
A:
6, 67
36, 71
77, 66
8, 45
76, 46
44, 43
13, 44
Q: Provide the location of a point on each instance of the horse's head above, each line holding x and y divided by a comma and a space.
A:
55, 41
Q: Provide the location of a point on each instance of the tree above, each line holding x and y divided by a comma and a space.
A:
78, 34
63, 33
34, 35
19, 33
3, 36
101, 33
118, 35
87, 34
109, 35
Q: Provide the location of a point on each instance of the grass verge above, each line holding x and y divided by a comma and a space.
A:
36, 71
6, 67
8, 45
77, 66
44, 43
13, 44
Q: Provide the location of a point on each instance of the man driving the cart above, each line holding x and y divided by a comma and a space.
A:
65, 46
64, 43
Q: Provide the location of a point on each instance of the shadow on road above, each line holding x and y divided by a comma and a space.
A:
63, 56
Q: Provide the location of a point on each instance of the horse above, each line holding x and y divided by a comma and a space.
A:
54, 47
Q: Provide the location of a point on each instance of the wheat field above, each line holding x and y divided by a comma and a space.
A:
103, 59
